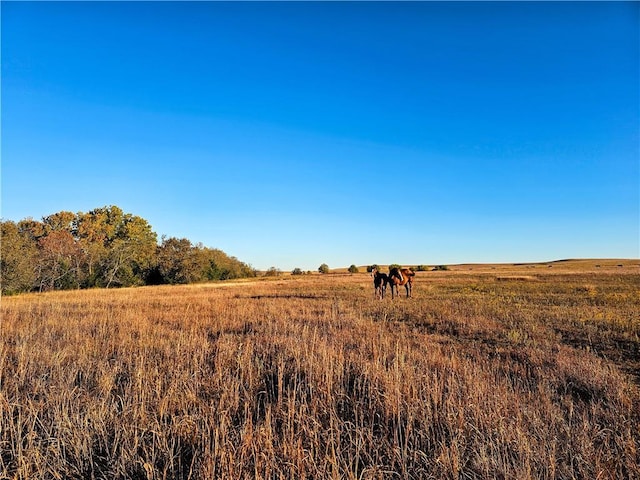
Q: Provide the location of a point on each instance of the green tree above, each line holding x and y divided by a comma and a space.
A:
175, 262
120, 247
224, 267
353, 269
31, 229
200, 264
324, 268
297, 271
18, 259
95, 231
130, 252
61, 221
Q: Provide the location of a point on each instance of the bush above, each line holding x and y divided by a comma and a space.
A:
353, 269
440, 268
272, 272
324, 268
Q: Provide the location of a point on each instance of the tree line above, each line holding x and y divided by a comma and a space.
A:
105, 247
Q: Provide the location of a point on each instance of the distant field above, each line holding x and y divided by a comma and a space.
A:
573, 265
490, 371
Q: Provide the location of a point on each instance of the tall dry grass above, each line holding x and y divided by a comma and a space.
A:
530, 376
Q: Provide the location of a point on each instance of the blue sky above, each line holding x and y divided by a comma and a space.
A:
299, 133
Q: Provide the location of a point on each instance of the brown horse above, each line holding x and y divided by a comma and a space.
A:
401, 276
380, 281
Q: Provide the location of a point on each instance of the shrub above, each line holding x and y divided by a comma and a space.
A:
272, 272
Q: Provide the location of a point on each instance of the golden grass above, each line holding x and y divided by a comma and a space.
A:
311, 377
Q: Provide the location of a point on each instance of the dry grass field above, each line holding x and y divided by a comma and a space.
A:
511, 372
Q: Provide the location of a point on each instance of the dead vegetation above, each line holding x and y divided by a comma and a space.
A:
474, 377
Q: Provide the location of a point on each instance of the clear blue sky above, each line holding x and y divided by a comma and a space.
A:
294, 134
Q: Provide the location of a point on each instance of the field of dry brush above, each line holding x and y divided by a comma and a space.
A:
526, 373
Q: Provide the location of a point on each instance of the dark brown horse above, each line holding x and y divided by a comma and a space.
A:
401, 276
380, 281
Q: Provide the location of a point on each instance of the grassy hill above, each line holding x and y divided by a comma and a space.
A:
568, 264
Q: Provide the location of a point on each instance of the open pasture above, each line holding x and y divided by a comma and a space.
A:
518, 372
